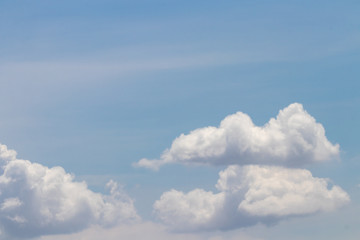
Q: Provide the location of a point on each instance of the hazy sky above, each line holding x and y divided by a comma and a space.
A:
179, 119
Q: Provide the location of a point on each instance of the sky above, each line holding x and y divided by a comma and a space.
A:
202, 120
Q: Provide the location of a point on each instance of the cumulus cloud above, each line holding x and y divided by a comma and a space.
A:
36, 200
248, 195
293, 138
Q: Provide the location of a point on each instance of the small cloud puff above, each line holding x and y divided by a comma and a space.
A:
248, 195
36, 200
294, 138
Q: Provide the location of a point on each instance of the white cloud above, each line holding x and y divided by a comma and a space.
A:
10, 203
294, 138
192, 209
37, 200
85, 70
248, 195
145, 230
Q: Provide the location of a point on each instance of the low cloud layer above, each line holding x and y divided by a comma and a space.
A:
248, 195
293, 138
146, 230
36, 200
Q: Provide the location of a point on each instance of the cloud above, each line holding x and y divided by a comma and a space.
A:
144, 230
85, 70
248, 195
294, 138
36, 200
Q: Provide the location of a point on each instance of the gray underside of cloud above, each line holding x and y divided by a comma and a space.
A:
293, 138
36, 200
249, 195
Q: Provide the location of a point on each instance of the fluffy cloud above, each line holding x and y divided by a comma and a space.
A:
293, 138
37, 200
248, 195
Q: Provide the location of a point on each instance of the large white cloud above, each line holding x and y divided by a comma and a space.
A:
37, 200
248, 195
294, 138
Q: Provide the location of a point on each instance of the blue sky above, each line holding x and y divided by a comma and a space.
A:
95, 86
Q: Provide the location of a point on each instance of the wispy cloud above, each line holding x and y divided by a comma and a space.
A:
145, 230
84, 70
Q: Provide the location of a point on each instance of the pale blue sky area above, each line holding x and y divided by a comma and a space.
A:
94, 86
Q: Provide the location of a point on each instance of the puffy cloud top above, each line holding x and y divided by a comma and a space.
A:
293, 138
248, 195
37, 200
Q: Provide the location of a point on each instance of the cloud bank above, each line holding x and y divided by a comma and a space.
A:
145, 230
248, 195
293, 138
36, 200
